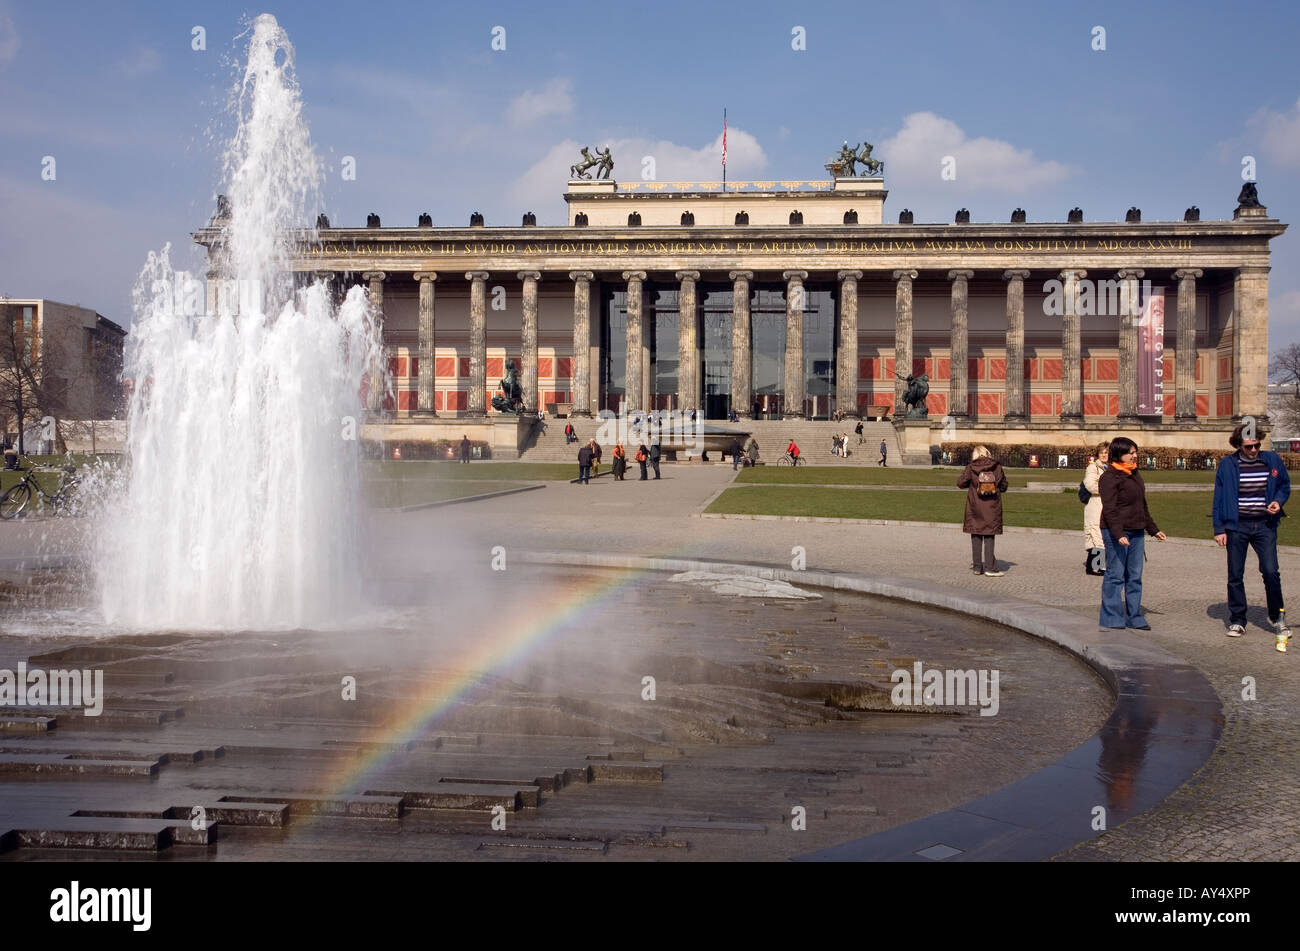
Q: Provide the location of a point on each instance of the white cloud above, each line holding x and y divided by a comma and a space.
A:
545, 179
554, 100
915, 156
1277, 134
140, 61
9, 41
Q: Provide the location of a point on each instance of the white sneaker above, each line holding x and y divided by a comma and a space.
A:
1235, 630
994, 574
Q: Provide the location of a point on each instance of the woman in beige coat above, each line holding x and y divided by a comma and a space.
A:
1094, 559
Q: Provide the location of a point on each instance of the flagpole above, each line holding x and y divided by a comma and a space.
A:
724, 148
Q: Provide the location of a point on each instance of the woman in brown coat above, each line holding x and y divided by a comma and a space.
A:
985, 482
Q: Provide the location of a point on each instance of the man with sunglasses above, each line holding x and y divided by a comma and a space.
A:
1250, 488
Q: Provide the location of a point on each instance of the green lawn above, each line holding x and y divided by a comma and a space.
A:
50, 480
872, 475
398, 493
1183, 514
429, 471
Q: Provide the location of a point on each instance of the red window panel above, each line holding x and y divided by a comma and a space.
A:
972, 404
997, 368
444, 367
864, 400
1202, 404
396, 366
1169, 368
1114, 405
937, 402
1170, 406
1198, 369
1107, 369
1031, 369
888, 373
1094, 404
1225, 369
1224, 403
564, 368
457, 399
974, 369
437, 400
1085, 372
545, 367
1040, 404
1051, 368
495, 366
464, 366
1058, 404
990, 404
920, 366
408, 399
942, 369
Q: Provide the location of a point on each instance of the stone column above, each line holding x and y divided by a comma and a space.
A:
477, 343
794, 370
528, 343
1015, 389
846, 375
1128, 342
688, 384
1185, 358
958, 354
581, 380
1250, 343
375, 395
902, 335
1071, 348
635, 309
427, 382
742, 356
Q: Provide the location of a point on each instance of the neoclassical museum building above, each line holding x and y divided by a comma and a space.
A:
797, 300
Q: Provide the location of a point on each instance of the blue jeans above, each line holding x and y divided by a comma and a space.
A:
1258, 534
1121, 589
584, 474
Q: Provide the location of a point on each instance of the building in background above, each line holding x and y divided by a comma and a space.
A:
60, 373
796, 300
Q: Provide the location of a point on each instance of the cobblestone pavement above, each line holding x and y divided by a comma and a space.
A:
1239, 807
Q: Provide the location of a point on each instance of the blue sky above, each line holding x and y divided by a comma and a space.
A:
437, 121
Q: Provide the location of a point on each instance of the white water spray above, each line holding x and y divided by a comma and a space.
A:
243, 500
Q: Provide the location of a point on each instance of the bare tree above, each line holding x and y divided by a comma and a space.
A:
1284, 367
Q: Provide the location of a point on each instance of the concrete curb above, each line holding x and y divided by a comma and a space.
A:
1166, 722
470, 498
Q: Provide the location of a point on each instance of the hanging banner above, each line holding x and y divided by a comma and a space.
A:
1151, 354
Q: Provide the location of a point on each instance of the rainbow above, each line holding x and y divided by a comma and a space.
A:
498, 646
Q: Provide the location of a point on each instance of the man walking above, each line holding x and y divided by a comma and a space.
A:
858, 429
1250, 488
584, 465
736, 452
654, 455
464, 450
884, 455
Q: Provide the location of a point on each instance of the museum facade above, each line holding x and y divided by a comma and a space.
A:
795, 299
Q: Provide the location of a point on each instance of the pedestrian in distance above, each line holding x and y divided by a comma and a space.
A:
620, 462
1094, 555
1125, 523
642, 457
753, 451
569, 435
464, 449
584, 465
984, 482
737, 453
595, 458
1250, 488
884, 454
858, 430
654, 456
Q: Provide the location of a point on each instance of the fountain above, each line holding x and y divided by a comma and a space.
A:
238, 510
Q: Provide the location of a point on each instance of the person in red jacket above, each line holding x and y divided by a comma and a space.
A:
793, 450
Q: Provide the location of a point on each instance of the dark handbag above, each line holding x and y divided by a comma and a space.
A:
1084, 494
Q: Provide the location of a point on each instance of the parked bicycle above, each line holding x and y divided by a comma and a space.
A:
62, 501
